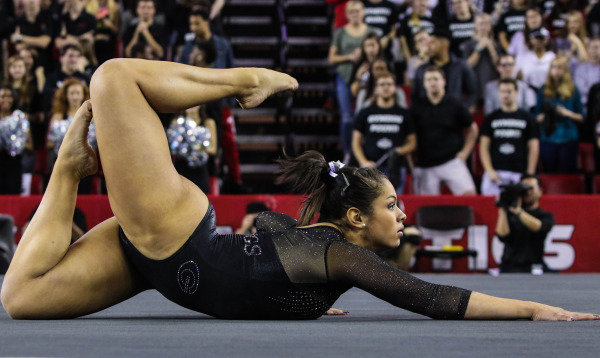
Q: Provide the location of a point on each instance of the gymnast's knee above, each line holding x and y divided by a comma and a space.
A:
111, 73
15, 301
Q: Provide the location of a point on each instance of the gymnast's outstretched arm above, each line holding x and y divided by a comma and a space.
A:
363, 269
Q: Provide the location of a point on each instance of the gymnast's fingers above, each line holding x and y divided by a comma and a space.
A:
578, 316
336, 312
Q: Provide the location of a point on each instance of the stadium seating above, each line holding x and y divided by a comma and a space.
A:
585, 159
596, 184
563, 183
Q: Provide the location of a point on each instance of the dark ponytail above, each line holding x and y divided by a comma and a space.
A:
328, 195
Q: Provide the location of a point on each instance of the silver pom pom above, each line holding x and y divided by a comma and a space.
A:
58, 129
189, 141
14, 131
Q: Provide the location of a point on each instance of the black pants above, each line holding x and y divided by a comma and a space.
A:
10, 174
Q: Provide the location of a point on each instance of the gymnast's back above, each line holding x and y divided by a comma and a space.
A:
283, 272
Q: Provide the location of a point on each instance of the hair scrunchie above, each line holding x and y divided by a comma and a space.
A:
335, 168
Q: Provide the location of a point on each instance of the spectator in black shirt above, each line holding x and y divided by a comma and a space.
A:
461, 25
523, 229
592, 21
383, 16
442, 150
33, 29
419, 19
69, 59
556, 22
7, 22
512, 21
461, 82
76, 24
145, 30
384, 133
509, 144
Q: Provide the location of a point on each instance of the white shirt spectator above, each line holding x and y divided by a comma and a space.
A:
533, 69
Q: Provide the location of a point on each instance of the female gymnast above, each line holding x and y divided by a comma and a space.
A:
163, 233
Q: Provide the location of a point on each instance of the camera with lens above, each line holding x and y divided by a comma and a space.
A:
510, 194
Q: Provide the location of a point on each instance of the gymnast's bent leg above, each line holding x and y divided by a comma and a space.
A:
157, 208
48, 277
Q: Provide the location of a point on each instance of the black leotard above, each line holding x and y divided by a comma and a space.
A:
283, 272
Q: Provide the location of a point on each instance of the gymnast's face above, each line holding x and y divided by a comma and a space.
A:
383, 227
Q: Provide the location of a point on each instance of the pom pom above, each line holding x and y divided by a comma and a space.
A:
189, 141
58, 129
14, 131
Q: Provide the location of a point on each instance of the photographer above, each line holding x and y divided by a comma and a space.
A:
522, 226
400, 257
248, 225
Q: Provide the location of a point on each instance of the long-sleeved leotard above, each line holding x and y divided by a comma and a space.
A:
284, 272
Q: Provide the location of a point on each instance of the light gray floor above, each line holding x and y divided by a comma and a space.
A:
150, 326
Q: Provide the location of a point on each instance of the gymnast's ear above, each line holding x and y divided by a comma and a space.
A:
355, 218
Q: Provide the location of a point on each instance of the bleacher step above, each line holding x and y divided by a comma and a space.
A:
254, 62
248, 20
251, 2
304, 20
254, 40
307, 41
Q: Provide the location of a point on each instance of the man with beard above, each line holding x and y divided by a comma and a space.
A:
523, 228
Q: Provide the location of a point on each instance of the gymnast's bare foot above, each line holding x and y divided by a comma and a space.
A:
75, 154
262, 84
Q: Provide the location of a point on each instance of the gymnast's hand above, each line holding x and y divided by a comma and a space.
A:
336, 312
75, 154
549, 313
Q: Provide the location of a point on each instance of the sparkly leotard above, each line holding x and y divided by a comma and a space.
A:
283, 272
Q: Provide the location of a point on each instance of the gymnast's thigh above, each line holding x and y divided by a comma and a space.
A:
155, 206
93, 275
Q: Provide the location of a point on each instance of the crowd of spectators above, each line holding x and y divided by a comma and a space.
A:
523, 75
51, 48
551, 48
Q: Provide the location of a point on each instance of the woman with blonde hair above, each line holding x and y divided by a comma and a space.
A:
35, 71
28, 97
559, 111
573, 41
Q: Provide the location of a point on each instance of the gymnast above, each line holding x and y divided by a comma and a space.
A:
163, 233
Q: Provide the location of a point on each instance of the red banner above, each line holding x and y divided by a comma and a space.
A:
571, 246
